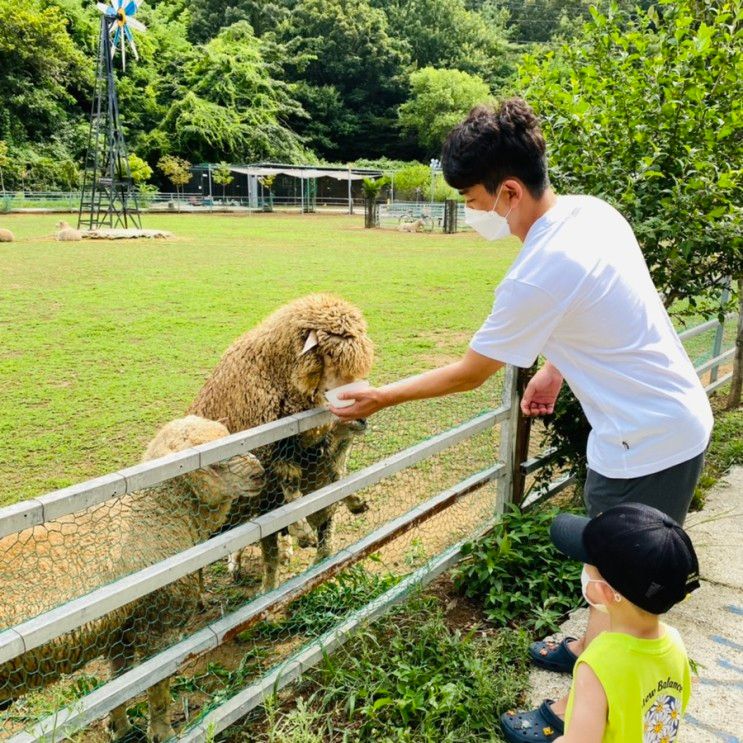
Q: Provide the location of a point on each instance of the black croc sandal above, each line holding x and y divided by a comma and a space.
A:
553, 656
540, 725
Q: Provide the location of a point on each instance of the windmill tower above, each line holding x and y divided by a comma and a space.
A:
108, 198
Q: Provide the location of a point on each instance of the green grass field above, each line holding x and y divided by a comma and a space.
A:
101, 342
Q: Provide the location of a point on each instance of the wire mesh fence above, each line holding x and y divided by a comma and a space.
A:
93, 594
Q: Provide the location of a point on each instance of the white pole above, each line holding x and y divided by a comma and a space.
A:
301, 194
350, 200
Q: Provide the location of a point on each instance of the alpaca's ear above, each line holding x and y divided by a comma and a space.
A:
310, 342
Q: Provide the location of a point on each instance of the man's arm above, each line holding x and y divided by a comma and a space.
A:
590, 709
466, 374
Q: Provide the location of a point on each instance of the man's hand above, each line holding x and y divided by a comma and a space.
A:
367, 402
541, 392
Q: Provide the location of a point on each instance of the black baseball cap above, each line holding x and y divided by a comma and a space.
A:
640, 551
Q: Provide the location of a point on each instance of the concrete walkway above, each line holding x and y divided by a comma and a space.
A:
710, 621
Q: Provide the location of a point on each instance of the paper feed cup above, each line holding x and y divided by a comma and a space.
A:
332, 395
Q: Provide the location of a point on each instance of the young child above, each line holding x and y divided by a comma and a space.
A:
632, 683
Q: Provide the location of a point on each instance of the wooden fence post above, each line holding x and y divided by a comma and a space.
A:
522, 437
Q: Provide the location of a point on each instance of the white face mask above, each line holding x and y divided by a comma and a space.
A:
585, 579
488, 224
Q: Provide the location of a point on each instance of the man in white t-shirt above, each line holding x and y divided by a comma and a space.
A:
580, 294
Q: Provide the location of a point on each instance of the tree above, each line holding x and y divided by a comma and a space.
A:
209, 17
645, 112
176, 170
371, 188
267, 182
43, 76
352, 69
439, 100
140, 171
228, 105
445, 34
223, 176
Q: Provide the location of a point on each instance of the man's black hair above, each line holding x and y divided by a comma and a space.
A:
490, 146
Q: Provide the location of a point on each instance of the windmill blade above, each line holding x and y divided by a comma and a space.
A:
123, 53
131, 8
105, 9
130, 39
136, 25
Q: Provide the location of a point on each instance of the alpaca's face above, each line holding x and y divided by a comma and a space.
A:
239, 477
335, 360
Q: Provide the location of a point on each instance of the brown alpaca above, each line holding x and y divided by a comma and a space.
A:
281, 367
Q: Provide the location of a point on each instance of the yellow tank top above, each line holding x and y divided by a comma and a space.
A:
647, 685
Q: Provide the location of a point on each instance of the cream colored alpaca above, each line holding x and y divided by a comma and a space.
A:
6, 236
410, 226
67, 233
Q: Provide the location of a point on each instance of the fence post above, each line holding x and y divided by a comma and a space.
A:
507, 447
450, 216
522, 436
719, 333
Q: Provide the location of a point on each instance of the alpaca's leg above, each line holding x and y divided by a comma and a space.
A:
325, 535
270, 550
290, 475
158, 696
234, 564
118, 721
355, 503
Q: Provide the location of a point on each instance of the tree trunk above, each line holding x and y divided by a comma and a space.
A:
371, 215
737, 381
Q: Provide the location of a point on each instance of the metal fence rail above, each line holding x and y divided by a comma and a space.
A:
101, 701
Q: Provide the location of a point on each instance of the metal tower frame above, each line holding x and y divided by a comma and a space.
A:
108, 198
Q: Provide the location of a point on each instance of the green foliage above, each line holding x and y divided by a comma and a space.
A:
319, 610
4, 162
140, 171
439, 100
646, 113
411, 678
372, 186
352, 69
230, 105
223, 176
725, 451
208, 17
519, 575
445, 34
36, 86
175, 169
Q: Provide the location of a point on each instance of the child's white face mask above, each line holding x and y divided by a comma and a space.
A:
585, 579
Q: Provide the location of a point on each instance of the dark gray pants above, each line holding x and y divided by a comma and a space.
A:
669, 490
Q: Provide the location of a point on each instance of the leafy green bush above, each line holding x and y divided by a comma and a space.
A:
410, 678
644, 110
518, 574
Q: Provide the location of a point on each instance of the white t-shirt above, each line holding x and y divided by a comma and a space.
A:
580, 293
